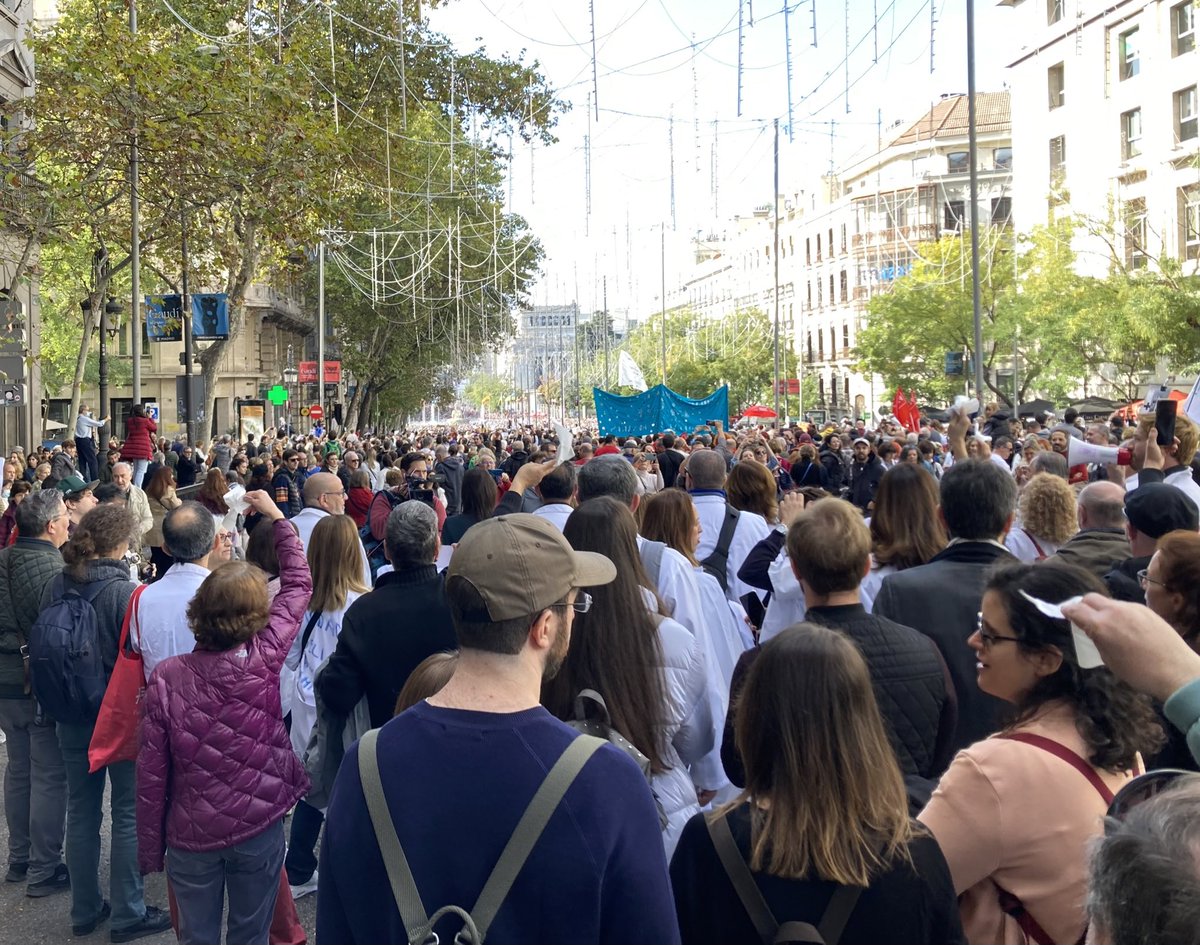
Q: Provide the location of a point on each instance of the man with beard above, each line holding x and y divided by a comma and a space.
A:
461, 768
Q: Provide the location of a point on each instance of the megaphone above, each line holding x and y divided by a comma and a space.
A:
1080, 453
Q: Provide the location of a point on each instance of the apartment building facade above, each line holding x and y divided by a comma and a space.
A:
850, 238
1105, 97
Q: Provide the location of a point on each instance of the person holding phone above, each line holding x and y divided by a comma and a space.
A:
1177, 455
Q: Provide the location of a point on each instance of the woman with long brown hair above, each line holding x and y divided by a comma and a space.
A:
336, 566
824, 813
648, 668
750, 487
161, 497
212, 493
906, 529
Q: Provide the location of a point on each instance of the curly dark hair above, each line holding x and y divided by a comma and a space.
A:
230, 607
1115, 721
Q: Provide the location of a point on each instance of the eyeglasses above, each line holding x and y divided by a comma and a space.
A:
581, 605
988, 638
341, 493
1144, 578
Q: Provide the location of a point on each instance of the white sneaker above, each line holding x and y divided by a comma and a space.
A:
306, 888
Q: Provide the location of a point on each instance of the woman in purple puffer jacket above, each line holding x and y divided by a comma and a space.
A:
216, 772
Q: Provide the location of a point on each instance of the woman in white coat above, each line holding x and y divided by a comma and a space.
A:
333, 559
648, 668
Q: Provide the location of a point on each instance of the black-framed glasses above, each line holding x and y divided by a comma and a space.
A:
988, 638
1144, 578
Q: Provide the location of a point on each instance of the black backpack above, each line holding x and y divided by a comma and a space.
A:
374, 546
717, 563
65, 666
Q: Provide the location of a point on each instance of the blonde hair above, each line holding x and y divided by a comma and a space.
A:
335, 563
428, 679
1048, 509
813, 743
1186, 433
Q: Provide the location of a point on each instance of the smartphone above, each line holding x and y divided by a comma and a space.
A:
1164, 421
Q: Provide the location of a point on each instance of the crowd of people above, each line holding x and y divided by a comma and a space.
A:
840, 684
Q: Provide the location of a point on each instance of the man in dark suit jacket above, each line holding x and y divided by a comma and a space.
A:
942, 598
669, 460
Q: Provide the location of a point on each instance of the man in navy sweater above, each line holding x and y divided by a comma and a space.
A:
459, 770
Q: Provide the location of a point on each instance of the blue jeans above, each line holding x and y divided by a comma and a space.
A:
85, 814
250, 872
139, 471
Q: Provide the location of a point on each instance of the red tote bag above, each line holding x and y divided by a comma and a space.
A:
115, 735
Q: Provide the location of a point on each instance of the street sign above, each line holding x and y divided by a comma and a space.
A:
316, 411
14, 395
304, 411
152, 411
278, 395
308, 372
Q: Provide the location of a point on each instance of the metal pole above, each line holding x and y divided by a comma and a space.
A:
321, 331
607, 331
186, 310
972, 156
103, 300
135, 248
775, 214
663, 266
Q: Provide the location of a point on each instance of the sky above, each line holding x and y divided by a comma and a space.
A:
668, 135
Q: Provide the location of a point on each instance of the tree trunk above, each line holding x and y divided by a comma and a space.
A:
90, 318
210, 357
352, 408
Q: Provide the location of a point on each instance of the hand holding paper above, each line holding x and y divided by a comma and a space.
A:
1086, 654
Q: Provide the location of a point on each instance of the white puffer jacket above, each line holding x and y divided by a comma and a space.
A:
689, 726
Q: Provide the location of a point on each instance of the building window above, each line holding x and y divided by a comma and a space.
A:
1058, 160
1136, 232
957, 162
1185, 115
821, 348
821, 388
845, 334
809, 306
833, 389
830, 244
1128, 59
1189, 222
1002, 159
820, 292
1131, 133
1183, 28
846, 388
843, 237
832, 343
844, 286
1054, 11
1056, 86
808, 256
1001, 211
955, 211
808, 346
818, 247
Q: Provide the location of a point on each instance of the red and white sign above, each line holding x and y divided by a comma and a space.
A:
307, 371
315, 412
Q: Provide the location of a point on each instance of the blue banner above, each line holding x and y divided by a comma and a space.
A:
657, 409
164, 318
210, 316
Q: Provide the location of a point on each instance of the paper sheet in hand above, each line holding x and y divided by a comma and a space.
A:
566, 445
1086, 653
965, 405
235, 498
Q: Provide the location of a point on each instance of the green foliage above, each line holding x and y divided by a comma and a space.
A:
703, 354
1062, 326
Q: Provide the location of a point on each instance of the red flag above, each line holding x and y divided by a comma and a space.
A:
899, 407
914, 413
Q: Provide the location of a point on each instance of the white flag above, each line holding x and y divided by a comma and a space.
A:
1191, 406
628, 373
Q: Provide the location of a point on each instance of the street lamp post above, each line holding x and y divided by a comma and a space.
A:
290, 378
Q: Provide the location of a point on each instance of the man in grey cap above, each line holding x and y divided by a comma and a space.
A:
1151, 511
466, 762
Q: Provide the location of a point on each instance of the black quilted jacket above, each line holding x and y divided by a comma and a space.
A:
26, 568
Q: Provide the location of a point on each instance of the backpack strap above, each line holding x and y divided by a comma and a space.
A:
404, 887
652, 555
308, 629
719, 559
1060, 750
833, 920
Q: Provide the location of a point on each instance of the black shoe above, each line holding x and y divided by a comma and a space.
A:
87, 928
16, 873
153, 922
59, 882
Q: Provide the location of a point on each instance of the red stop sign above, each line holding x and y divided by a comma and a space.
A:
315, 412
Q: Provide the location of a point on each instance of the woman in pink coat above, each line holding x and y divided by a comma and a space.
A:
216, 772
138, 448
1014, 814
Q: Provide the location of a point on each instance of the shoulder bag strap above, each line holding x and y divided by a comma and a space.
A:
1060, 750
545, 802
130, 608
742, 879
312, 622
400, 876
838, 912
